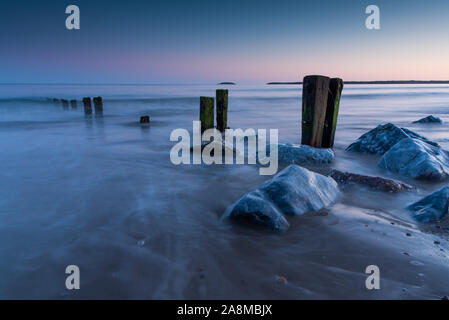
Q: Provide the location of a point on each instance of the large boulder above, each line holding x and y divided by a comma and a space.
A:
380, 139
293, 191
429, 119
416, 159
374, 183
431, 208
300, 154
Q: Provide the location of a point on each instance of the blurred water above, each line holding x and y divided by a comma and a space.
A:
101, 192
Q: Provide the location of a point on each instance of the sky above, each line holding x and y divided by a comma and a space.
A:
202, 41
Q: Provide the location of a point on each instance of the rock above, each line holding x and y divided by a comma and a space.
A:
296, 190
431, 208
429, 119
216, 144
281, 279
255, 209
380, 139
414, 135
299, 154
293, 191
417, 159
375, 183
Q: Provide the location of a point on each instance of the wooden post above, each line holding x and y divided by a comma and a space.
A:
333, 105
206, 113
145, 119
222, 109
98, 103
87, 105
314, 102
73, 104
65, 103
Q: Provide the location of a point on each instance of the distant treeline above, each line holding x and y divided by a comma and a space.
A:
378, 82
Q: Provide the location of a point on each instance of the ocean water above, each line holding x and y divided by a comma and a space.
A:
102, 194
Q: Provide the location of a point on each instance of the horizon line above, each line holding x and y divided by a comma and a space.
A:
231, 83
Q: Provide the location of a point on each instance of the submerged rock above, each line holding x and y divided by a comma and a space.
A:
293, 191
375, 183
416, 159
212, 145
429, 119
382, 138
431, 208
299, 154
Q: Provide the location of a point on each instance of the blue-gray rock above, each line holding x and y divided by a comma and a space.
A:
414, 135
431, 208
300, 154
380, 139
296, 190
254, 208
429, 119
293, 191
416, 159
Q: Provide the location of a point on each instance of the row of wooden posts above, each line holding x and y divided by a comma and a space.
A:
87, 102
207, 111
320, 106
98, 104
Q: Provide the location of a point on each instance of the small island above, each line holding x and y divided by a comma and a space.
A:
227, 83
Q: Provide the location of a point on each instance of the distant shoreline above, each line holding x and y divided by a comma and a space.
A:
375, 82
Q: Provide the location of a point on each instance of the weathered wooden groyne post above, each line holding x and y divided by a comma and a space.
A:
98, 103
333, 105
87, 105
145, 119
320, 106
222, 109
206, 113
73, 104
314, 103
65, 104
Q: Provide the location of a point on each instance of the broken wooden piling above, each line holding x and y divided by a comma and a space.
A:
145, 119
333, 104
98, 104
206, 113
314, 103
73, 104
87, 105
65, 103
222, 109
